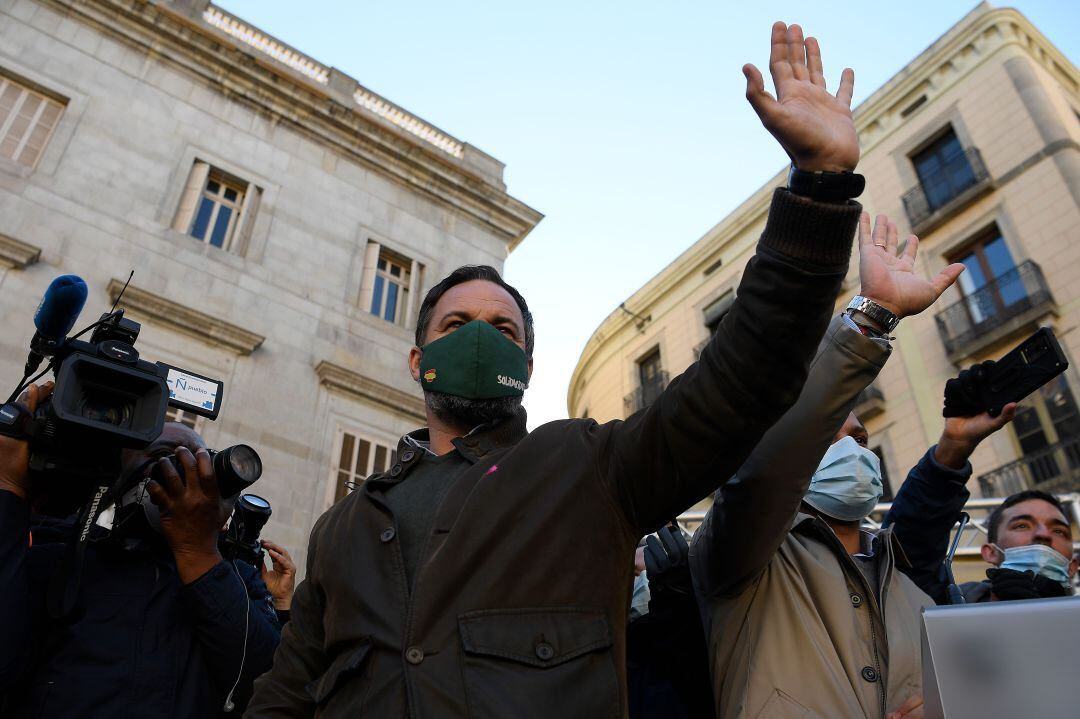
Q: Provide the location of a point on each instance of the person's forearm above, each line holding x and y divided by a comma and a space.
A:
193, 565
923, 513
703, 426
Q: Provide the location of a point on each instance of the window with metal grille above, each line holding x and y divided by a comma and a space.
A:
27, 120
358, 458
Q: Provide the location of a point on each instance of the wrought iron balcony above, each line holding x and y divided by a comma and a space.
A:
1007, 303
1052, 469
952, 185
870, 403
646, 394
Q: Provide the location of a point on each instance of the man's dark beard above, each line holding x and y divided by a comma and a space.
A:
471, 413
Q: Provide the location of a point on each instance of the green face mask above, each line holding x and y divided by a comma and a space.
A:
474, 361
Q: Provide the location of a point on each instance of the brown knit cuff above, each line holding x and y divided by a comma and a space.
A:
815, 235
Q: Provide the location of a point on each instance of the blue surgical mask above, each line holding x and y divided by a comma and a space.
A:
847, 483
639, 599
1040, 559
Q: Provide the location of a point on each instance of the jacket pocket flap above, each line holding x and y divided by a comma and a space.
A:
542, 637
347, 663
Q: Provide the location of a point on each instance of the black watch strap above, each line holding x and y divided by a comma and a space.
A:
826, 186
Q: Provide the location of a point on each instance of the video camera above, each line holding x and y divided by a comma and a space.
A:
106, 399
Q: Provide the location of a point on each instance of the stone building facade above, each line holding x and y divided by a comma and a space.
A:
975, 147
282, 220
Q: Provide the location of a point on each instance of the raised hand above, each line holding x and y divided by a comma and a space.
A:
889, 278
15, 453
281, 578
814, 127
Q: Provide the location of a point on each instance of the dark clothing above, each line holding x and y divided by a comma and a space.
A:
138, 644
667, 664
415, 502
922, 516
520, 601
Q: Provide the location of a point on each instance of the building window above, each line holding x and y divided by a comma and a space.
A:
651, 376
390, 295
357, 459
188, 419
943, 169
990, 282
217, 208
391, 284
1047, 429
718, 310
887, 492
27, 119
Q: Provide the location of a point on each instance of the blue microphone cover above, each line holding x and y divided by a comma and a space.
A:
60, 307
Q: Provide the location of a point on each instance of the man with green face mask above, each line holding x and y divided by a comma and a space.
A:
488, 572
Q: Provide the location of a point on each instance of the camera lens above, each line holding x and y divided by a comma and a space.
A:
236, 468
103, 408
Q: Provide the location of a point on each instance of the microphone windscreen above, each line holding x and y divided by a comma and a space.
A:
60, 307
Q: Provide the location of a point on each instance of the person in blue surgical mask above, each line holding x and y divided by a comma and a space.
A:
806, 612
1029, 542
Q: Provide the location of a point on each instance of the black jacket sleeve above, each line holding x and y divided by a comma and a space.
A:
923, 514
300, 659
15, 615
235, 624
696, 434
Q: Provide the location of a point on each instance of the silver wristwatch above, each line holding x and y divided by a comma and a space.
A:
874, 311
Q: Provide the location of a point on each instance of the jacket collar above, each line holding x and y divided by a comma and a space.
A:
810, 525
474, 446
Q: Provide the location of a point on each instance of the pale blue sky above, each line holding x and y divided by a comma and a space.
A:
624, 123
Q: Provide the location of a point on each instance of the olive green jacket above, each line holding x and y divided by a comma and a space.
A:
519, 604
793, 628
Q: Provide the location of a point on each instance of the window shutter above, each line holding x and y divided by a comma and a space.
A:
414, 294
249, 209
189, 199
367, 279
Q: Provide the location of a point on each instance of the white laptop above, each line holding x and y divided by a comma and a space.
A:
1007, 660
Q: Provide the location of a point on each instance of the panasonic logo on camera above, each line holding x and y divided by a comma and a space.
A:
511, 382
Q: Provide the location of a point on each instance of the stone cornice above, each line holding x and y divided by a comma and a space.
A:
206, 328
350, 382
16, 254
951, 58
172, 35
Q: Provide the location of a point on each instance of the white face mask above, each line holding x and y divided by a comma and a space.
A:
847, 483
639, 599
1037, 558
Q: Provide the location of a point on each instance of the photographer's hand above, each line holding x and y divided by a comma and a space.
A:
889, 278
963, 434
15, 453
814, 127
280, 580
192, 512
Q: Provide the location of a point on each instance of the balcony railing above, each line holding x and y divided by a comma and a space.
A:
953, 182
1052, 469
646, 394
1019, 295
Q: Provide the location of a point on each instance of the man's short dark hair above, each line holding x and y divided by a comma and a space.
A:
993, 522
468, 273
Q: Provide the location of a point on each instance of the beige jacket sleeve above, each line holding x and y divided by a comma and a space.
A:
753, 512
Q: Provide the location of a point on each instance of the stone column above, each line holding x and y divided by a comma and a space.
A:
1059, 144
